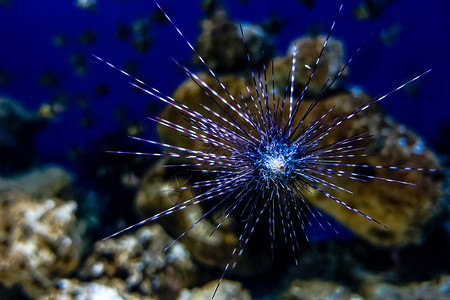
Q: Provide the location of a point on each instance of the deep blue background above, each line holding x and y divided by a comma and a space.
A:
26, 48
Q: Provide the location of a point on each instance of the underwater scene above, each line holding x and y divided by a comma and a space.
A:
224, 149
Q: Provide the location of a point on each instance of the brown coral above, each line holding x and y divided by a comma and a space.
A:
404, 209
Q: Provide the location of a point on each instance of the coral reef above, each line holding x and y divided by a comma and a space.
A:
37, 241
136, 263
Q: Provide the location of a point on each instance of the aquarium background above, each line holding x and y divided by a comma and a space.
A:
45, 60
47, 65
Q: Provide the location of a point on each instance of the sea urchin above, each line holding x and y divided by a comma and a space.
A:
264, 155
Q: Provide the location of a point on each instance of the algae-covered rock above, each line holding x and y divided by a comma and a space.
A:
136, 263
38, 242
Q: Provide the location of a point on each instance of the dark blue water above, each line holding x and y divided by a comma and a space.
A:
28, 51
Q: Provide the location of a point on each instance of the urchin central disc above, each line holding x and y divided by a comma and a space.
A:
276, 162
275, 165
